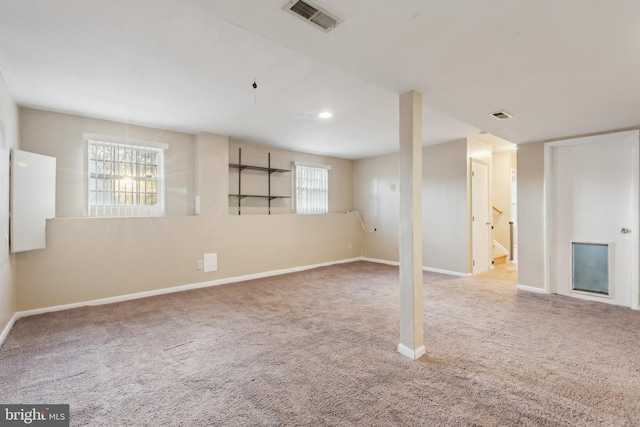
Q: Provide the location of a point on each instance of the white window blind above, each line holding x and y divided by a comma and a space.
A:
311, 188
125, 179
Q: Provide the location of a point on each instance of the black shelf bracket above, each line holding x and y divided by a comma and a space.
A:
267, 169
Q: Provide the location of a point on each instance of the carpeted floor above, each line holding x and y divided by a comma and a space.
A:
318, 347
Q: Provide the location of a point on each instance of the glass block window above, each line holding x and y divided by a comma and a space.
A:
125, 180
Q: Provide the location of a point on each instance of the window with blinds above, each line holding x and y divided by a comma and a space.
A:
311, 188
125, 179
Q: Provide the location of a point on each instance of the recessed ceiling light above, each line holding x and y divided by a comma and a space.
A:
325, 115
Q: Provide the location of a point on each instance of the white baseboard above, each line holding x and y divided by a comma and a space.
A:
411, 354
7, 328
181, 288
449, 272
430, 269
380, 261
531, 289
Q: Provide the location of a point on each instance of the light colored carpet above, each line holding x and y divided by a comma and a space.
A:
505, 272
318, 348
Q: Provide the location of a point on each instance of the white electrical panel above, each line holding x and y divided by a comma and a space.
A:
33, 199
210, 262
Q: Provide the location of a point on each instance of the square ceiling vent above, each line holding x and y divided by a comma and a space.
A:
501, 115
313, 14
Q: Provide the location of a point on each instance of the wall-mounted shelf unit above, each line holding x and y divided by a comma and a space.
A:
267, 169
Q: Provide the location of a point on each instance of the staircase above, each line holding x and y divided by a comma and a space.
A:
499, 259
499, 253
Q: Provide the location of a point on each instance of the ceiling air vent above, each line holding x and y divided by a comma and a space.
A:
314, 14
501, 115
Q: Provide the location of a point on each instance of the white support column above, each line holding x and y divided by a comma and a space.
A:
411, 322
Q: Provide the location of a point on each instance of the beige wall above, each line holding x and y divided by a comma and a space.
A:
502, 165
256, 182
61, 136
444, 206
91, 258
8, 140
377, 198
531, 214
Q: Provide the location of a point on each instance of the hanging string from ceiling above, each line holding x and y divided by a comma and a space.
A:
255, 91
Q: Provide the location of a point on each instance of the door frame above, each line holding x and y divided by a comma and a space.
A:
549, 204
490, 233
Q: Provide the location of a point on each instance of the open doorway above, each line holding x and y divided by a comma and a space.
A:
504, 200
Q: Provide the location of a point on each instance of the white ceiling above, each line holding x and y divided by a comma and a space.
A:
560, 67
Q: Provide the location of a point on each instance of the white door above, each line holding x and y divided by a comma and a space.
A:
480, 223
594, 189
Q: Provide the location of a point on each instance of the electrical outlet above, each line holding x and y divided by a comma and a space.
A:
349, 246
200, 265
